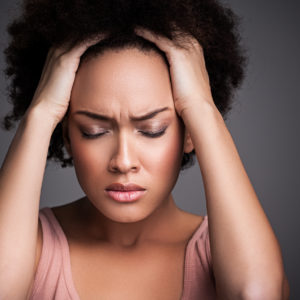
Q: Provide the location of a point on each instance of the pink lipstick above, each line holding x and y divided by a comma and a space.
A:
128, 192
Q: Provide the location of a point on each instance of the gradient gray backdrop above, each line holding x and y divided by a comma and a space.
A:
264, 125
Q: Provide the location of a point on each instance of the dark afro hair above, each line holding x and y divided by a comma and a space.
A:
46, 23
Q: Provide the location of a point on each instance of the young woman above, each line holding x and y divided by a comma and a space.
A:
132, 96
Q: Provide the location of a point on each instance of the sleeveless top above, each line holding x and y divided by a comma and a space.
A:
53, 278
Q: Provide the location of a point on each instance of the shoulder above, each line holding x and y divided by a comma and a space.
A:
191, 220
190, 225
197, 231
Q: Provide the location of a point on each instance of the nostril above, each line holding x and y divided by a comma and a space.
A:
123, 168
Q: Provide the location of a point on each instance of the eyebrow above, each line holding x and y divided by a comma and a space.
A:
102, 117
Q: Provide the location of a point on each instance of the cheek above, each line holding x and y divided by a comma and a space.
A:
88, 160
165, 159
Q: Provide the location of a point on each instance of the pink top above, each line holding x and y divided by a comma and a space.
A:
53, 279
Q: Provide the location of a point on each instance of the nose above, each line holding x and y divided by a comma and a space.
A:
124, 158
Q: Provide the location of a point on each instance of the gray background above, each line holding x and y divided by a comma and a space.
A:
263, 124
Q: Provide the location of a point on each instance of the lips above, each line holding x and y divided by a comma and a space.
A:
125, 196
124, 187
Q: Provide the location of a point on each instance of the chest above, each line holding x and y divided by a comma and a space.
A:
156, 272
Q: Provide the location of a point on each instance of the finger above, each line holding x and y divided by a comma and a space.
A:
46, 63
163, 43
77, 51
187, 38
46, 66
190, 43
82, 47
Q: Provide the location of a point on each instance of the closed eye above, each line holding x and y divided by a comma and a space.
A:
150, 134
91, 136
153, 134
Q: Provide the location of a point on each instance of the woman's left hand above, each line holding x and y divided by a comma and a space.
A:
189, 77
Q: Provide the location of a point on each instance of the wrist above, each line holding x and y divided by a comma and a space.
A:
41, 117
200, 109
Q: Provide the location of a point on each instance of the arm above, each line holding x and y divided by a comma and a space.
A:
21, 177
22, 172
246, 255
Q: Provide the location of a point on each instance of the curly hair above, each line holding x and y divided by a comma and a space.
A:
46, 23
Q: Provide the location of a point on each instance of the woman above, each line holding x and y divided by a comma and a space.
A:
132, 96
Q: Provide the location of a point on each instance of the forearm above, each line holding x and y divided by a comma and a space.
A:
21, 177
245, 252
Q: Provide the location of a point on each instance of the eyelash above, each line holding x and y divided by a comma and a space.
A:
149, 134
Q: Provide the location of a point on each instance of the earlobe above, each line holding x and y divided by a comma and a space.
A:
66, 136
188, 143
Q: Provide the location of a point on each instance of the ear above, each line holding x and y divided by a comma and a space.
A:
65, 134
188, 143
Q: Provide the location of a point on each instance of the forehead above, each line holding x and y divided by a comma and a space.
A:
126, 79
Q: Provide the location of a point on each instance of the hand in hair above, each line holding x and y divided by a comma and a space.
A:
189, 76
54, 89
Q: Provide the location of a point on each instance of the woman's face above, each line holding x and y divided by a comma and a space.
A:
121, 85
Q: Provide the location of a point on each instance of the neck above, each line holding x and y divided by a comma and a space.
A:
155, 227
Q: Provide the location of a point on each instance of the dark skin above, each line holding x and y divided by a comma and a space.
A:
228, 208
104, 246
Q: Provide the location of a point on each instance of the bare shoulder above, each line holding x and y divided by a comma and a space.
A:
192, 219
190, 223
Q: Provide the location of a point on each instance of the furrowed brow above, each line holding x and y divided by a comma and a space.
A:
149, 115
102, 117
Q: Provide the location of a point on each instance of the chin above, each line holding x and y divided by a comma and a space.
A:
125, 214
126, 219
119, 218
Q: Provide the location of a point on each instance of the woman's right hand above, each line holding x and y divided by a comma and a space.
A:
53, 92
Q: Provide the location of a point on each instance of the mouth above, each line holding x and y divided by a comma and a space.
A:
125, 196
127, 187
